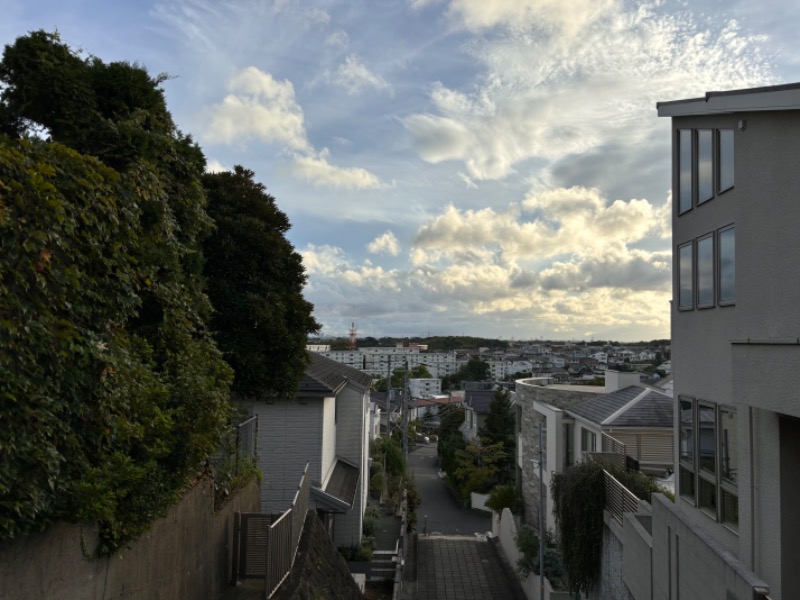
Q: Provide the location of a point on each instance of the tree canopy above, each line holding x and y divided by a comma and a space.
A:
255, 282
114, 392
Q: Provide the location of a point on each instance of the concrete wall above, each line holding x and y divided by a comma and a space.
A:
637, 565
184, 555
690, 564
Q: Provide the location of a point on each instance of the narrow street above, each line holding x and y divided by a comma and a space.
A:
456, 560
445, 513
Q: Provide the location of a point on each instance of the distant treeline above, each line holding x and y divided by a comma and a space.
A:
463, 342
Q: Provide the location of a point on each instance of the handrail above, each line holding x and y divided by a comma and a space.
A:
619, 499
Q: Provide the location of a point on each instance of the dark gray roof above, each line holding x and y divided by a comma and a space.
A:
324, 377
632, 406
342, 484
479, 400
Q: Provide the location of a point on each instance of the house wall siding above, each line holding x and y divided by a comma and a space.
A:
289, 435
328, 441
352, 446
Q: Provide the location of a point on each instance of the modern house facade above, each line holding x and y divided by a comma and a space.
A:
735, 327
327, 426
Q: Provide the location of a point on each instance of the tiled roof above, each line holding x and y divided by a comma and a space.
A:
479, 400
632, 406
324, 376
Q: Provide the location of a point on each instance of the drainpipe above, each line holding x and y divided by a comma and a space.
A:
541, 518
752, 494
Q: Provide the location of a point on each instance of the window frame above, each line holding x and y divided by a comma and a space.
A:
720, 233
692, 291
682, 205
712, 177
689, 175
718, 184
712, 301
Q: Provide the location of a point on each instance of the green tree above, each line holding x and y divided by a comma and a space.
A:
129, 439
450, 437
475, 370
478, 466
255, 282
499, 428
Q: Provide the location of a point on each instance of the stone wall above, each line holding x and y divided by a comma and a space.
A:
560, 396
186, 554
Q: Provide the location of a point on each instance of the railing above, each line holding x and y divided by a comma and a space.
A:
239, 449
610, 444
284, 536
619, 499
265, 546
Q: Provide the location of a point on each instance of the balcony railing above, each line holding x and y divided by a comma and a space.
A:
619, 499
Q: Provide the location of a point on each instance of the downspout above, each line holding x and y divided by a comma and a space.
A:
752, 494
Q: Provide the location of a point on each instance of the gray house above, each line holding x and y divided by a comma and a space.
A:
735, 347
326, 425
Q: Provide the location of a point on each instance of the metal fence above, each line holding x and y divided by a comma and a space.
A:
239, 450
619, 499
610, 444
265, 546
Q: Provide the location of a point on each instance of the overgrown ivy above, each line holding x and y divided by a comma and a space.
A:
112, 391
578, 502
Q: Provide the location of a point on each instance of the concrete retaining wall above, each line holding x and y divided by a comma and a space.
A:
184, 555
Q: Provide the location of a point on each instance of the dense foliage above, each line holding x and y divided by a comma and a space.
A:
528, 562
255, 282
451, 439
578, 501
113, 393
475, 370
499, 428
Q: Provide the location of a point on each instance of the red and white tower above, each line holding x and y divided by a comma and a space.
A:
353, 332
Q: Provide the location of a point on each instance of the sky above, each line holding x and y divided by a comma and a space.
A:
491, 168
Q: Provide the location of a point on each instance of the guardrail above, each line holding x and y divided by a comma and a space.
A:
265, 546
619, 499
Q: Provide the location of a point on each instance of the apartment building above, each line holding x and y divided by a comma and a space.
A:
735, 328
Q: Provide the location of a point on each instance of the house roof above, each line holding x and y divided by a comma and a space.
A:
632, 406
324, 377
776, 97
479, 400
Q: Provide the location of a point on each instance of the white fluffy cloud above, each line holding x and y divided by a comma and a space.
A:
318, 171
258, 107
386, 243
261, 108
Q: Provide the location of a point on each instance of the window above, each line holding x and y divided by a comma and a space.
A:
725, 160
705, 271
588, 440
685, 277
705, 165
727, 265
684, 170
707, 477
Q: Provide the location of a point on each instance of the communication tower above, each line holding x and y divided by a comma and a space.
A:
353, 333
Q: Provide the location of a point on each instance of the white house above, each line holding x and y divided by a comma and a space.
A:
325, 425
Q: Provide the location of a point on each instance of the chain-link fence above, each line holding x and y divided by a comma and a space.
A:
236, 461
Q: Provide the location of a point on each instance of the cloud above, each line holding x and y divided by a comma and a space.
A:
338, 39
258, 107
353, 76
556, 16
261, 108
386, 243
214, 166
319, 172
562, 80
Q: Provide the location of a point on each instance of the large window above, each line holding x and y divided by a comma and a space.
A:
705, 271
708, 459
705, 165
725, 160
685, 277
727, 265
685, 170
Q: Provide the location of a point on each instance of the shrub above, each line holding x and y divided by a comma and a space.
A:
505, 496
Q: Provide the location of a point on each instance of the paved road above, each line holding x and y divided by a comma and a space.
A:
455, 560
445, 513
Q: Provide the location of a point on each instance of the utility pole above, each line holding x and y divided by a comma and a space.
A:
541, 517
405, 412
